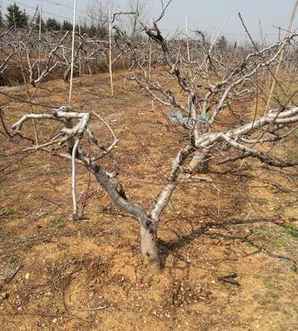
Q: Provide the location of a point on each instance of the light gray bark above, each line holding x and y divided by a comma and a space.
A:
149, 246
76, 125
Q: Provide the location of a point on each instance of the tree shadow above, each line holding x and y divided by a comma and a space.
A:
174, 246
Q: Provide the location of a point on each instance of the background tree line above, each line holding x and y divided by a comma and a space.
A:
17, 17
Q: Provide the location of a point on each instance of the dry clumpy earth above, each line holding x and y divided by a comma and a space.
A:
229, 245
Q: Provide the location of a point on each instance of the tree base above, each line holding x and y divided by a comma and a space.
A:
149, 248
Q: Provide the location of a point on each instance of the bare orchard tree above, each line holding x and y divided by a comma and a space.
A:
200, 117
49, 55
7, 52
210, 88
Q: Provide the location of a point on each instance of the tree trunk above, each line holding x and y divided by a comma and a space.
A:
149, 246
148, 228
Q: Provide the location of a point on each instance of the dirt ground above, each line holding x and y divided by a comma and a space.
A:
229, 244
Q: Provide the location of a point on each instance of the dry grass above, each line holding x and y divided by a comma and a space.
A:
61, 275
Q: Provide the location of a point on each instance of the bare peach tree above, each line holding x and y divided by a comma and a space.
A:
7, 52
38, 58
208, 89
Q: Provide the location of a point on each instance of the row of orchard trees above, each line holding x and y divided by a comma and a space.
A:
17, 17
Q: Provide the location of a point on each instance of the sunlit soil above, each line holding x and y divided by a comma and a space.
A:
229, 244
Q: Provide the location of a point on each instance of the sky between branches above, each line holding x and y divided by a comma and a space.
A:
211, 16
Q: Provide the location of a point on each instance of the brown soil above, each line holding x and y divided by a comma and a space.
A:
229, 247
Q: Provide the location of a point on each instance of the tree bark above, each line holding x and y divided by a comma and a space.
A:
149, 246
148, 228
